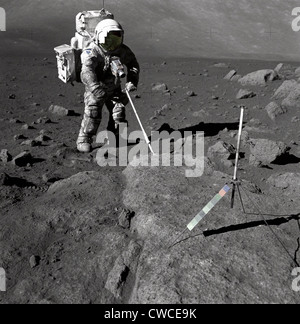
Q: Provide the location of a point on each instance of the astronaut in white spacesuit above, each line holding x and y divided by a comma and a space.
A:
102, 70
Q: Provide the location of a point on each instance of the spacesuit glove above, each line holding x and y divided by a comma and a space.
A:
129, 86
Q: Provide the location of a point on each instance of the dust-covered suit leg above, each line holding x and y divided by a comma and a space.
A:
92, 117
94, 98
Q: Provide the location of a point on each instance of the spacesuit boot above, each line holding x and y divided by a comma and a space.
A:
89, 127
84, 145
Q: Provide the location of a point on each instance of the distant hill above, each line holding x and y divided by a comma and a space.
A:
186, 28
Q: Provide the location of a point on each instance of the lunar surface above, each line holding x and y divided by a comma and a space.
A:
72, 231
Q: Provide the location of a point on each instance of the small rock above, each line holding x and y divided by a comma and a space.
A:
125, 218
5, 156
245, 94
191, 94
34, 261
160, 87
227, 163
43, 120
255, 121
26, 127
137, 96
4, 179
199, 113
12, 96
229, 75
49, 178
236, 78
221, 65
31, 143
60, 111
295, 119
19, 137
274, 110
214, 98
157, 113
15, 121
42, 138
44, 132
22, 159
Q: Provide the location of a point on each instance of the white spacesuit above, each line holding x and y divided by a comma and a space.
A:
102, 70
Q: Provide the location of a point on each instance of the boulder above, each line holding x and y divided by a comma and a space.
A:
221, 150
264, 151
286, 71
274, 110
278, 67
260, 77
297, 72
285, 89
245, 94
244, 137
229, 75
293, 99
168, 269
288, 182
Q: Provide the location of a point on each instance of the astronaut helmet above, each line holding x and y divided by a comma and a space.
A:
109, 35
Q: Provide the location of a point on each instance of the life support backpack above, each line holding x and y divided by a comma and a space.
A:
69, 56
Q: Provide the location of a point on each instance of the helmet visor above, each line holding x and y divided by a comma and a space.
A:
113, 40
